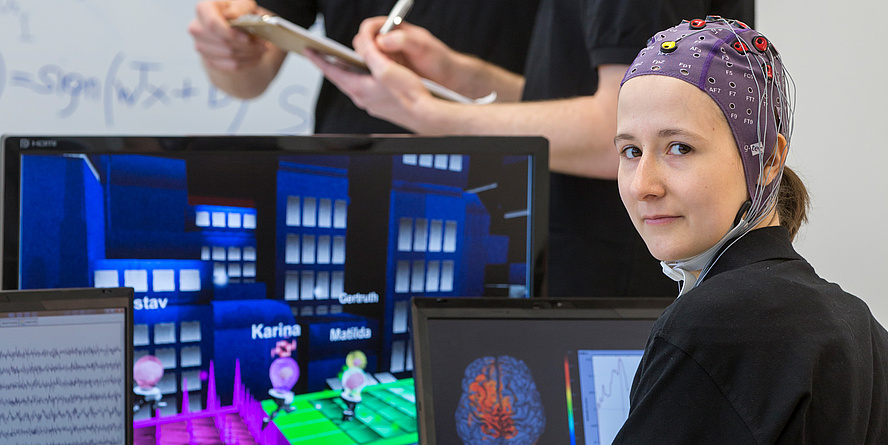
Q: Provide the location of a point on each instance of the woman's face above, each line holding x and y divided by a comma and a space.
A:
680, 175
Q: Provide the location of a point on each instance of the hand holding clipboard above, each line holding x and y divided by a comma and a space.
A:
294, 38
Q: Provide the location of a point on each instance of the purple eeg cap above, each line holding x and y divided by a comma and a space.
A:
738, 68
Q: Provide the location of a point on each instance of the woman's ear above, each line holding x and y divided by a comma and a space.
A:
775, 163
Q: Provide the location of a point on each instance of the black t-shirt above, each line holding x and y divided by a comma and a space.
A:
494, 30
593, 248
762, 351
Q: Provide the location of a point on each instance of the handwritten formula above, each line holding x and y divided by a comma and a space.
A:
106, 67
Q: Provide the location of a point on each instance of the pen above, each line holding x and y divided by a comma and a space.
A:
401, 8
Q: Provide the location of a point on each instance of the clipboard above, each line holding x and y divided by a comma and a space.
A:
291, 37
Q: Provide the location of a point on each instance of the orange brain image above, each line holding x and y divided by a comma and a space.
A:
500, 403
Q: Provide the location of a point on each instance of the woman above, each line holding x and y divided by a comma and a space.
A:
757, 348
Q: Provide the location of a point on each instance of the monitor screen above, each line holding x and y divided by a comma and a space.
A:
531, 371
63, 377
254, 258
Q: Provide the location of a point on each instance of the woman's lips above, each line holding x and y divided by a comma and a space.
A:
657, 220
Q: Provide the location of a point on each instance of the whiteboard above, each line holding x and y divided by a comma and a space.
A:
124, 67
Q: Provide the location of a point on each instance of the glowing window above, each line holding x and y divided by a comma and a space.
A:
402, 278
426, 160
189, 280
136, 279
420, 235
249, 221
340, 213
220, 274
399, 324
405, 234
234, 254
322, 286
306, 290
324, 249
167, 356
164, 333
337, 284
202, 218
309, 212
249, 254
291, 254
140, 335
189, 331
250, 270
234, 220
191, 356
291, 285
308, 249
456, 162
163, 280
106, 278
205, 253
398, 356
441, 162
436, 234
450, 236
433, 277
418, 280
234, 270
338, 250
218, 253
409, 159
447, 276
293, 218
218, 219
325, 213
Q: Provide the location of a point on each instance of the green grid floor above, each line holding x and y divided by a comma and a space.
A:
385, 416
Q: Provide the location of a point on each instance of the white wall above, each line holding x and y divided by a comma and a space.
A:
835, 51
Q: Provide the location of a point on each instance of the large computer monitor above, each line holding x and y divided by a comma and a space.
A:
240, 248
535, 371
63, 373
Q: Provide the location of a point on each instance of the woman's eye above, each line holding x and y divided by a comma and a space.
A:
679, 149
631, 152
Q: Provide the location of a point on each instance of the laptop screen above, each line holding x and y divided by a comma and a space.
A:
64, 366
531, 371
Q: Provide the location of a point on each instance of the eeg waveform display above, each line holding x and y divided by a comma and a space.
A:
71, 392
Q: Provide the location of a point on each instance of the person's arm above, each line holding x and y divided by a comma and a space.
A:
236, 63
580, 130
417, 49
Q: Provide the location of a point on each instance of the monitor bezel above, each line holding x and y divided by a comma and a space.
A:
14, 146
72, 299
581, 308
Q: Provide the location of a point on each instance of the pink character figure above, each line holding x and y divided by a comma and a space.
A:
284, 373
354, 379
284, 348
147, 372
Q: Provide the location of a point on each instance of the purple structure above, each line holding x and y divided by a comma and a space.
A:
237, 424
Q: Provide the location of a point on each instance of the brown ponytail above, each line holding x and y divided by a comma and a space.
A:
792, 202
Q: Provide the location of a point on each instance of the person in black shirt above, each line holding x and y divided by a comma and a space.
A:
757, 349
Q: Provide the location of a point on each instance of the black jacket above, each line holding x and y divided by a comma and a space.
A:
762, 351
